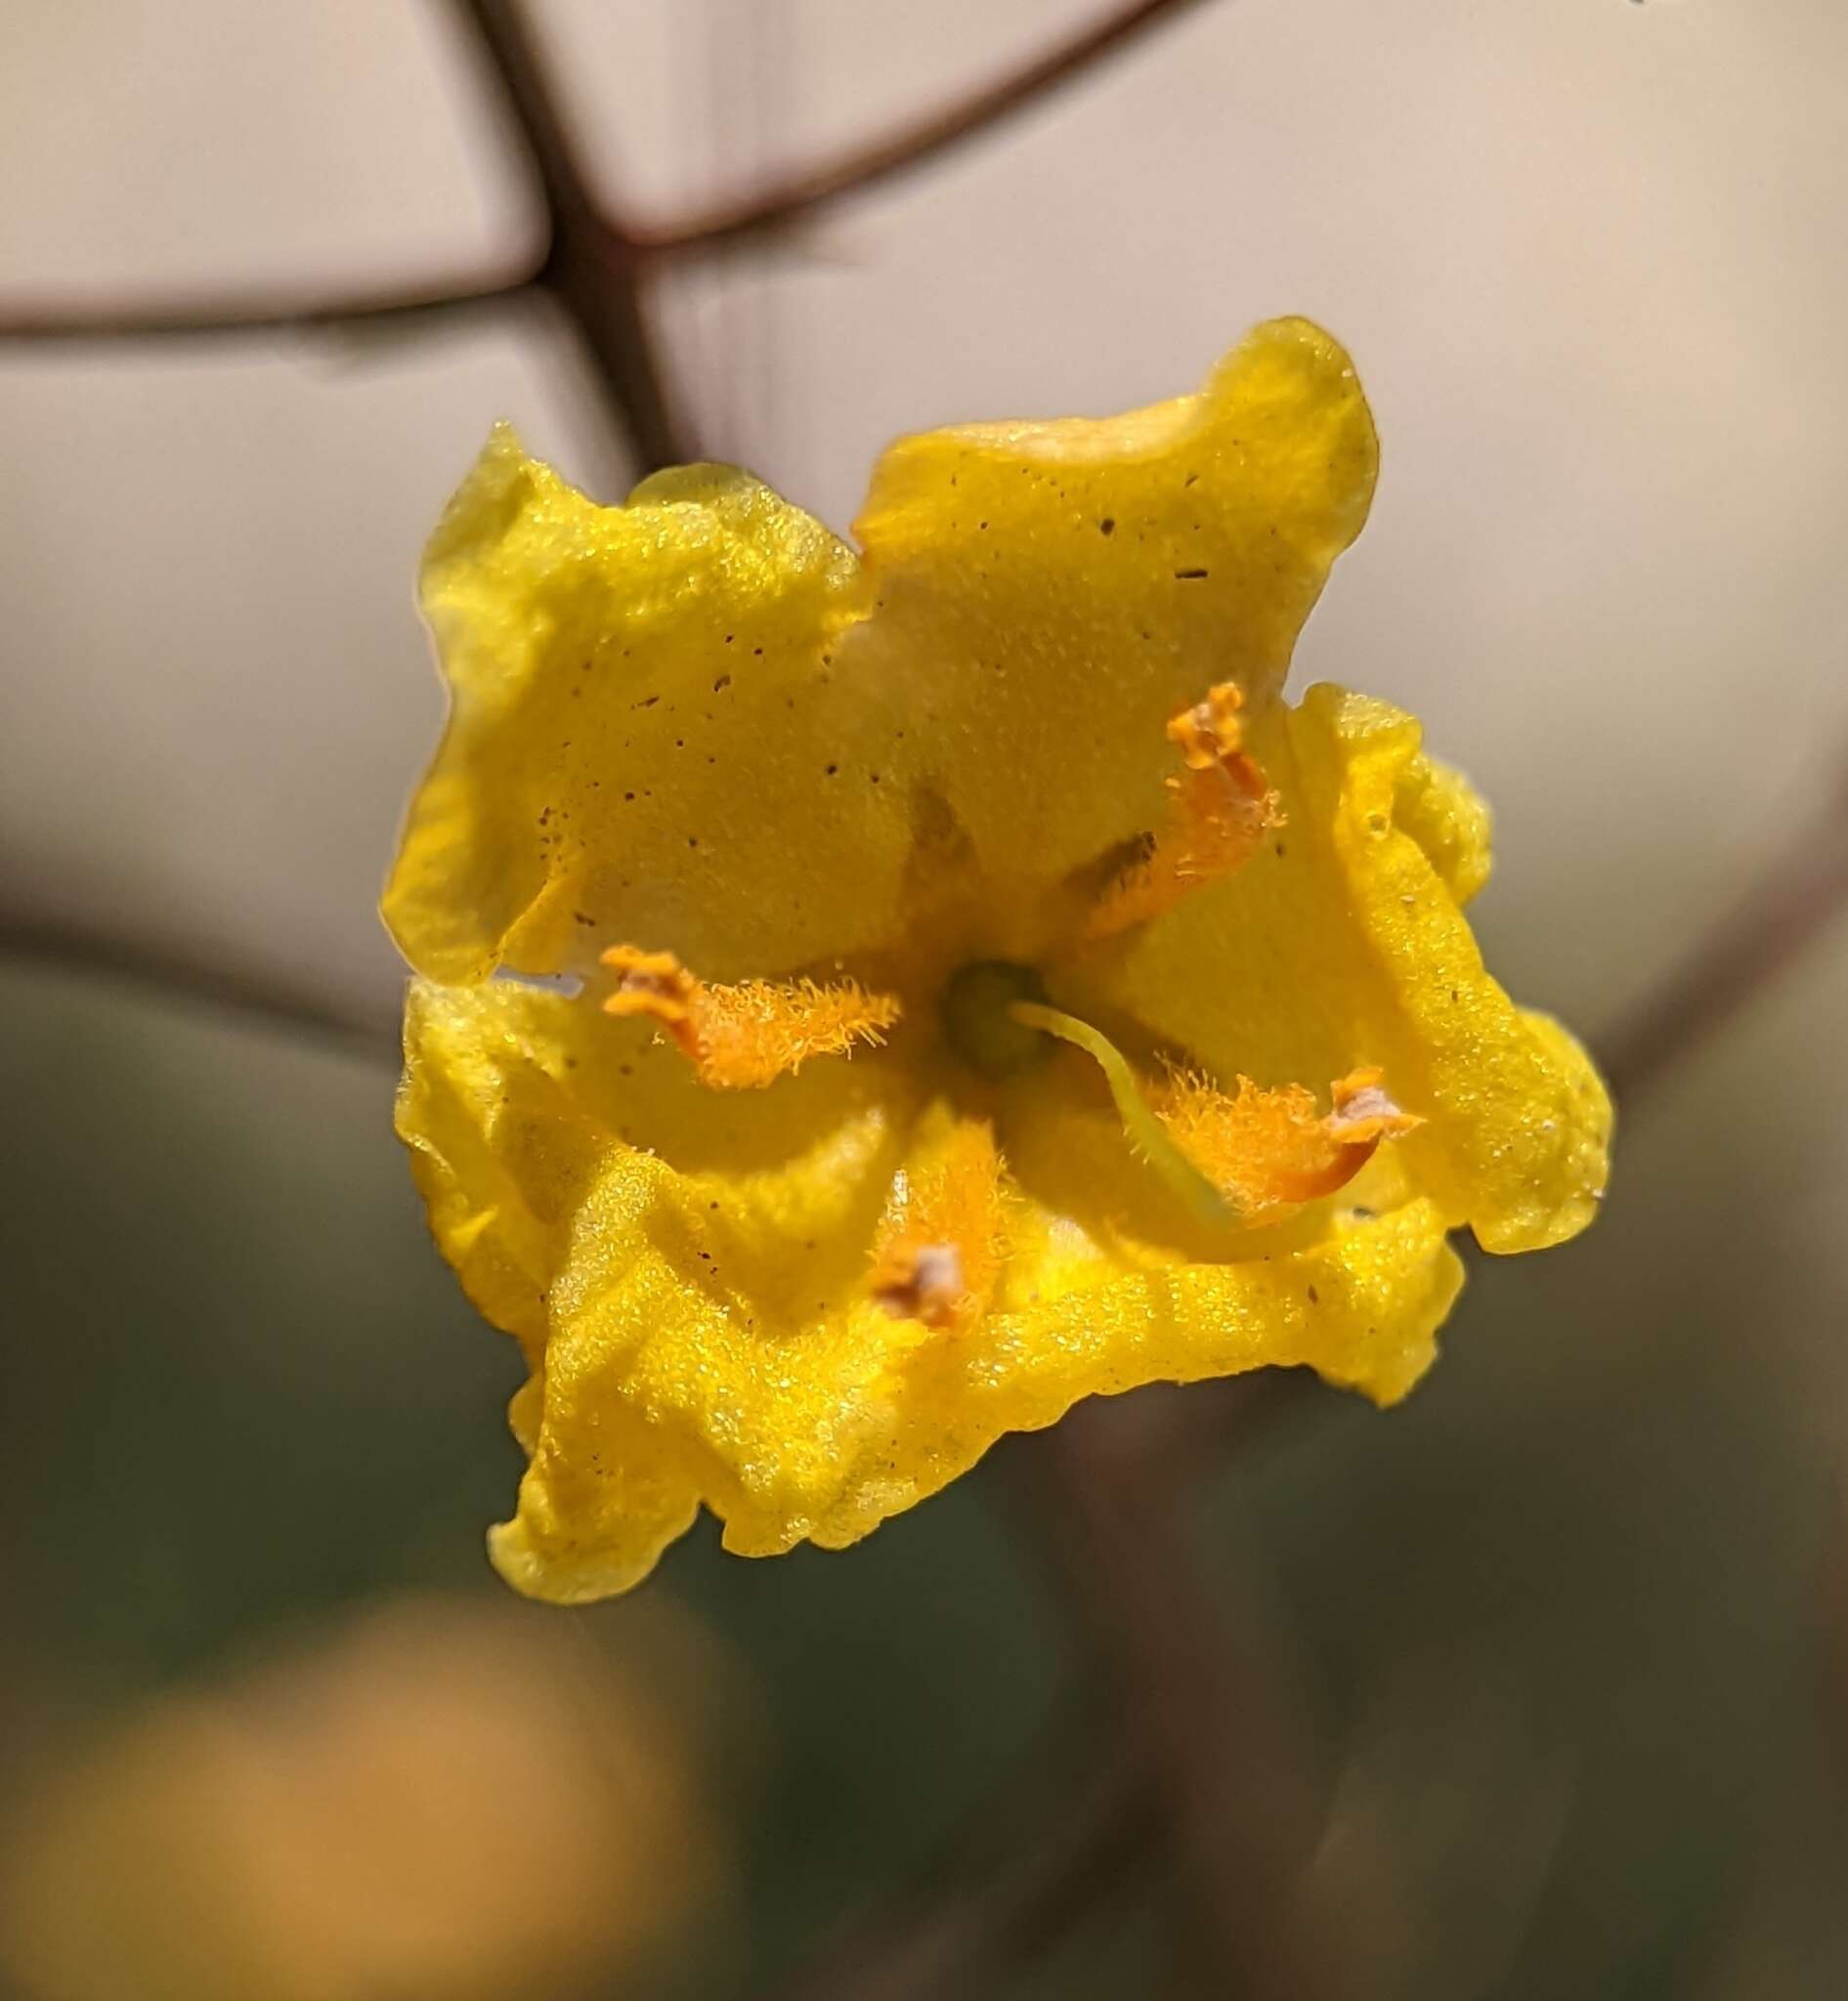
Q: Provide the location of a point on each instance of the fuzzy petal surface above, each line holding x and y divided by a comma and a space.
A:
814, 1416
1046, 595
647, 736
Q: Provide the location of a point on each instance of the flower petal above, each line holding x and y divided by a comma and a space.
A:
647, 737
1341, 942
500, 1148
1050, 594
697, 1297
1448, 818
816, 1414
595, 1200
1361, 1307
738, 1326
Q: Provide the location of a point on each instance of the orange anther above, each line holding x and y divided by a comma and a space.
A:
939, 1249
1210, 730
1272, 1150
1221, 808
652, 980
915, 1281
656, 983
1362, 1109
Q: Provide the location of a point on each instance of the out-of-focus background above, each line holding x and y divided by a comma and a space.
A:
1567, 1636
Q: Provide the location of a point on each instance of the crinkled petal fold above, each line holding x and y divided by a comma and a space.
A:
822, 1431
1048, 595
694, 1291
631, 1227
1343, 942
647, 736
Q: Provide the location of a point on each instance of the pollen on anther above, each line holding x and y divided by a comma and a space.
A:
1210, 731
925, 1282
649, 983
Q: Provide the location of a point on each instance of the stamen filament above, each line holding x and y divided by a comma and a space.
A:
1148, 1136
744, 1037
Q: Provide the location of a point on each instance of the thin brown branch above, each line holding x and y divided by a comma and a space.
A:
594, 263
1209, 1722
1793, 899
787, 202
1072, 1825
588, 265
249, 313
203, 982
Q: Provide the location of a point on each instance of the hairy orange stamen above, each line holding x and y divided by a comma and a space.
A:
939, 1250
1272, 1150
1221, 808
744, 1037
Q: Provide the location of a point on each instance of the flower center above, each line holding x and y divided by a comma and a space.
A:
997, 1018
979, 1023
1233, 1160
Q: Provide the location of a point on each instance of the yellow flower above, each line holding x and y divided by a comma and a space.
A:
992, 993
